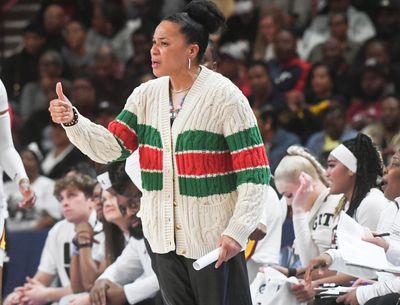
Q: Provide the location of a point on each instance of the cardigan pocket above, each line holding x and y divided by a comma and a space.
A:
214, 218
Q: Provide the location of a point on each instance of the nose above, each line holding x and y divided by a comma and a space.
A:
154, 50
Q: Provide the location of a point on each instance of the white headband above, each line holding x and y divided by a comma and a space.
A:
346, 157
104, 180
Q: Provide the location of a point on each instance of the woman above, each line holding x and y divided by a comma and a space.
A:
355, 169
204, 167
11, 163
301, 180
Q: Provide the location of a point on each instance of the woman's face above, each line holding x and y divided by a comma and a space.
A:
391, 178
340, 179
111, 210
170, 51
268, 28
287, 189
321, 80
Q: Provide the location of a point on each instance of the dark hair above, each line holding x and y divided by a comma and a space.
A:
261, 63
114, 14
369, 168
197, 21
343, 15
120, 180
114, 241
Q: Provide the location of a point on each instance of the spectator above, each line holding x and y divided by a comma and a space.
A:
105, 113
35, 95
22, 67
74, 193
271, 23
275, 138
321, 88
83, 95
360, 27
76, 54
46, 211
334, 133
63, 155
288, 71
109, 27
54, 21
386, 132
263, 90
366, 108
338, 27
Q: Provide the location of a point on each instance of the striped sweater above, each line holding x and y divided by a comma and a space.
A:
203, 177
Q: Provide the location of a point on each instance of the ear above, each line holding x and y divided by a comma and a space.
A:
193, 50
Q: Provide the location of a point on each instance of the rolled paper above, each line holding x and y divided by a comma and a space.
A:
206, 259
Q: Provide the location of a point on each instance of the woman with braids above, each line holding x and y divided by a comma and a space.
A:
354, 169
203, 164
301, 180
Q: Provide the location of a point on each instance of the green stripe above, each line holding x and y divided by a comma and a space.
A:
152, 181
200, 140
245, 138
255, 175
222, 184
203, 187
128, 118
125, 153
148, 135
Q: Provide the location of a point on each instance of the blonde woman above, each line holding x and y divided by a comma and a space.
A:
301, 180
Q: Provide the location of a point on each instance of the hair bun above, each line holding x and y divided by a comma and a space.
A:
206, 13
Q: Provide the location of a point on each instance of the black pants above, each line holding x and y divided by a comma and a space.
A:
182, 285
389, 299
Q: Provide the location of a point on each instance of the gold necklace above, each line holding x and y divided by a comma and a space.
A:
180, 91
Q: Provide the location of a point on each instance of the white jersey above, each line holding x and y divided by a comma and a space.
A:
313, 230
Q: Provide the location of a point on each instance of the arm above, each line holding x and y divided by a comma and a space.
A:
305, 246
365, 293
250, 164
75, 275
100, 144
10, 160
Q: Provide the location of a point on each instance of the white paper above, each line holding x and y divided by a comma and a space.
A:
104, 180
357, 252
206, 259
132, 168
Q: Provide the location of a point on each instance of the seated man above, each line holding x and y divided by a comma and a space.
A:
130, 279
75, 194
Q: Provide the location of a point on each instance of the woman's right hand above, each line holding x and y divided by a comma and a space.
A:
61, 108
302, 194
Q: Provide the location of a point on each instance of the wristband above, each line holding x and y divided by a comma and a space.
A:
292, 272
85, 245
74, 120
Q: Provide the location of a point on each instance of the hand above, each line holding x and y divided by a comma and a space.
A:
229, 248
304, 291
379, 241
80, 300
348, 298
303, 193
29, 197
61, 108
322, 260
98, 294
13, 298
35, 293
116, 294
361, 282
259, 232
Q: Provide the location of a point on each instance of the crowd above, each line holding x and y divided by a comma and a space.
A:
322, 79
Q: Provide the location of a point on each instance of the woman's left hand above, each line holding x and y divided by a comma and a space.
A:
229, 248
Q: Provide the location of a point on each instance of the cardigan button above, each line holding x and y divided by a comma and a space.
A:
175, 204
183, 252
178, 227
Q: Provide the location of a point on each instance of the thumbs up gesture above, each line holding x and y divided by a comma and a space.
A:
61, 108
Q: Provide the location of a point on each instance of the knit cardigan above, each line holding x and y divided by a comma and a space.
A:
203, 177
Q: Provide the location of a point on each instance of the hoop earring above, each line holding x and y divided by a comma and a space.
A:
190, 64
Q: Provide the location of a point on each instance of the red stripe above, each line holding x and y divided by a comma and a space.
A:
250, 158
197, 164
150, 158
122, 132
203, 163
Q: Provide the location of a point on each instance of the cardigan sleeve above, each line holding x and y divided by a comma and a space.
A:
104, 145
250, 165
305, 246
